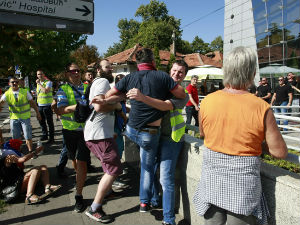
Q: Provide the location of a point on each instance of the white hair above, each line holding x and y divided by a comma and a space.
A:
239, 68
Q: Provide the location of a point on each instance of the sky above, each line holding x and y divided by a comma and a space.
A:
108, 13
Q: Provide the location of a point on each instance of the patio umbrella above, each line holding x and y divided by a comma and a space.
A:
277, 69
204, 72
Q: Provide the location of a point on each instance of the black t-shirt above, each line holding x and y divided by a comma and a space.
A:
282, 93
263, 91
156, 84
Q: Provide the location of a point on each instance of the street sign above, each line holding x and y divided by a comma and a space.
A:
65, 9
17, 70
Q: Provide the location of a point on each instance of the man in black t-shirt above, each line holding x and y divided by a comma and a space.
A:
264, 90
143, 126
282, 97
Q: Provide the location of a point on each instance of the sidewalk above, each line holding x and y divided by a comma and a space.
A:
59, 208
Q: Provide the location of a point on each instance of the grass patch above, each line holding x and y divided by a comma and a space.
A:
292, 167
2, 206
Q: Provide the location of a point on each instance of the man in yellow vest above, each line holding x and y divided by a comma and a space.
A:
19, 101
67, 96
171, 140
44, 100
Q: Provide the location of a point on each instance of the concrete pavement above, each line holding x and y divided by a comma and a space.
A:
59, 208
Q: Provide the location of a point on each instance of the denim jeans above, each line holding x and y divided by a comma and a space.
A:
191, 112
63, 157
168, 152
282, 111
148, 152
47, 115
19, 125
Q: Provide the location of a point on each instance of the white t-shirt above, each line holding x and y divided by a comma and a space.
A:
16, 93
102, 125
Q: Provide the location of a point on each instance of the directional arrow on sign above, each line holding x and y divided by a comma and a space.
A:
86, 10
67, 9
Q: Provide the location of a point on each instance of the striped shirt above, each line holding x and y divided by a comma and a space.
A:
62, 100
232, 183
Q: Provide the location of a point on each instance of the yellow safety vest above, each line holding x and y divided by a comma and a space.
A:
18, 108
177, 124
68, 120
44, 98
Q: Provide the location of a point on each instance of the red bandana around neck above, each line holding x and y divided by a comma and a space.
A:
146, 66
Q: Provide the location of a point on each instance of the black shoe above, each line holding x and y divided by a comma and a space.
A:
50, 141
44, 138
91, 169
159, 206
99, 215
144, 207
79, 206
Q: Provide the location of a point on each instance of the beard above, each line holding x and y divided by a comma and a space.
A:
107, 75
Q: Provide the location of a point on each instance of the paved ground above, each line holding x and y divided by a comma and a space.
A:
59, 208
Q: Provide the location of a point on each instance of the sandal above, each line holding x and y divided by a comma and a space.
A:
51, 189
32, 199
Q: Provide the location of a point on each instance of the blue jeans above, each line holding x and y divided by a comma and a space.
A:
19, 125
191, 112
63, 157
168, 152
148, 151
282, 111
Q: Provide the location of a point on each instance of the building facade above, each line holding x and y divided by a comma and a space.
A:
272, 27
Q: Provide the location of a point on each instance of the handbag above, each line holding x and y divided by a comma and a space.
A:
12, 192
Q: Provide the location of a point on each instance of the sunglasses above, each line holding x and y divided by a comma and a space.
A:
280, 79
14, 82
75, 71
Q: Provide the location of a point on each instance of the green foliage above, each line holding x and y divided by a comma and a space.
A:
33, 49
171, 61
154, 10
85, 55
295, 168
183, 47
157, 59
2, 206
217, 44
199, 46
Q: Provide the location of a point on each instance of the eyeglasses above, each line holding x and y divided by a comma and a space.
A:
75, 71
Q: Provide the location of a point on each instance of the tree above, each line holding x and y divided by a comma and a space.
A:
199, 46
217, 44
33, 49
155, 29
183, 47
85, 55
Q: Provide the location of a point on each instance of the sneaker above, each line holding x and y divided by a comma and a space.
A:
165, 223
50, 141
79, 206
144, 207
119, 184
99, 215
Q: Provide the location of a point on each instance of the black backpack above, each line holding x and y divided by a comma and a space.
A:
83, 111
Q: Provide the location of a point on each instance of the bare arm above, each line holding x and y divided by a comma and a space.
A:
178, 92
275, 144
200, 126
1, 104
15, 159
193, 102
66, 109
105, 107
295, 88
273, 98
34, 106
290, 99
267, 96
161, 105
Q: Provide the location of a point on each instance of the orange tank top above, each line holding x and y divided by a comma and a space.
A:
233, 123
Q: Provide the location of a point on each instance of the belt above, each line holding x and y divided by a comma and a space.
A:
150, 130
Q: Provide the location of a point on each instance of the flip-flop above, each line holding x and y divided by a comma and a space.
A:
30, 201
50, 191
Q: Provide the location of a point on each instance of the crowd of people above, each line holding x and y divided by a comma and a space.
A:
156, 124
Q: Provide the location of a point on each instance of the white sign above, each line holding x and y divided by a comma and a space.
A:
68, 9
17, 70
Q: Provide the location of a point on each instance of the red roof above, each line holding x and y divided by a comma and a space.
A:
193, 60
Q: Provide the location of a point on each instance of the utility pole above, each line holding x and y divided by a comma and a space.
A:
173, 49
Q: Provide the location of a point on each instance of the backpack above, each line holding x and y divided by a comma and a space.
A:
83, 110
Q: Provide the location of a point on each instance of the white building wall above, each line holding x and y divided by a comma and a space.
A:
239, 27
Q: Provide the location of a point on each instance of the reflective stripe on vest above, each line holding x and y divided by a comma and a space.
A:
18, 108
177, 124
68, 120
44, 98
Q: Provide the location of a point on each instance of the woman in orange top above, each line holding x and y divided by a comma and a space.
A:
235, 124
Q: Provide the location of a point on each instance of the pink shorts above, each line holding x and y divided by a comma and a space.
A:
106, 151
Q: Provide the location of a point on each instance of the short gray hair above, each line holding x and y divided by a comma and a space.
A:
239, 68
